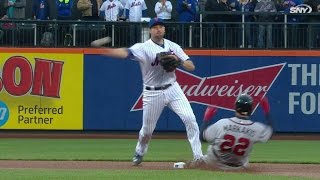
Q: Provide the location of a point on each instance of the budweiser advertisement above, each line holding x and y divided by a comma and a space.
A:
113, 90
222, 90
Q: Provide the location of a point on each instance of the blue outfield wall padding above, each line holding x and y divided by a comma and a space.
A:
112, 87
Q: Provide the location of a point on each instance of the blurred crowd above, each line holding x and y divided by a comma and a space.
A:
219, 30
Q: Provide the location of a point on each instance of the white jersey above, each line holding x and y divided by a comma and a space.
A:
231, 140
135, 8
123, 2
152, 72
163, 12
111, 9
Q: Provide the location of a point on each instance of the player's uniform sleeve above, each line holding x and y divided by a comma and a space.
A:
211, 133
180, 53
136, 52
265, 134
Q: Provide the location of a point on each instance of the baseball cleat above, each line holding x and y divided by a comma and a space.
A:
137, 159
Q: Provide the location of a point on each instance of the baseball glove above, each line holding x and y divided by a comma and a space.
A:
168, 61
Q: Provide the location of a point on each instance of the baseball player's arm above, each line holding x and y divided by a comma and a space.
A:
268, 128
188, 65
207, 117
266, 110
211, 133
121, 53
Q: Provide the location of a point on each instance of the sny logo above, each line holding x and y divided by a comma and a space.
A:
302, 8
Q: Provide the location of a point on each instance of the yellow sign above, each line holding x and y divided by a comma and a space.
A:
41, 91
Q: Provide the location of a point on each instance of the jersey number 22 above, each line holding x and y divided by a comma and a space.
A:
237, 146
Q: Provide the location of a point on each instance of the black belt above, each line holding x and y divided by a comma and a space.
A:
158, 88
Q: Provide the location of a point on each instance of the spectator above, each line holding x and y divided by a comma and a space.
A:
314, 36
3, 11
265, 6
197, 15
111, 9
217, 31
163, 9
64, 12
278, 28
41, 9
3, 16
202, 5
64, 9
233, 28
186, 10
246, 6
122, 13
15, 9
135, 9
186, 13
89, 9
293, 35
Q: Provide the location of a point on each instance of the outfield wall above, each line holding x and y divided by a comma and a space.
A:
78, 89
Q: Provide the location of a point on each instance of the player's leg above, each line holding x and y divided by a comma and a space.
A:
153, 104
181, 106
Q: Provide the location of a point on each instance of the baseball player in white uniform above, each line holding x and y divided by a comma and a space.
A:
160, 88
135, 10
231, 139
111, 9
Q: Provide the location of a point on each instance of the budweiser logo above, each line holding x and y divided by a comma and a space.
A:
221, 90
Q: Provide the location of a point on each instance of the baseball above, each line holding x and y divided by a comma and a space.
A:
100, 42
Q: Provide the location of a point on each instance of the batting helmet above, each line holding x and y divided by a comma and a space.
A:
244, 105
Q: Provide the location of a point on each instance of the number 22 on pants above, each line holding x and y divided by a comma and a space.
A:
237, 146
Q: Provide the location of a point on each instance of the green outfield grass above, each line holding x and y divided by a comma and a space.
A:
132, 175
274, 151
278, 151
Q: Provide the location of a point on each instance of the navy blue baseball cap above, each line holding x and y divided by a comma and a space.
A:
155, 21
